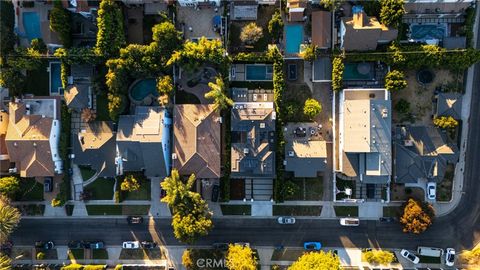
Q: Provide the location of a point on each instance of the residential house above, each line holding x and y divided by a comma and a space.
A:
244, 10
296, 10
253, 147
94, 146
196, 140
33, 135
322, 29
365, 143
143, 142
4, 158
78, 95
81, 6
422, 153
199, 3
363, 33
305, 152
434, 11
449, 104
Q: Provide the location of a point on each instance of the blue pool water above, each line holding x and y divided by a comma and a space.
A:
31, 23
55, 79
351, 72
143, 88
428, 31
294, 37
259, 72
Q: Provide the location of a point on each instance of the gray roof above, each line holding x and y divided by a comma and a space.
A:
322, 69
77, 95
454, 42
244, 10
449, 104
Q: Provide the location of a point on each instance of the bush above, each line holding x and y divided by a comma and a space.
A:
117, 196
130, 184
445, 122
337, 74
275, 25
40, 255
312, 108
60, 23
395, 80
64, 73
310, 53
289, 189
9, 185
73, 266
253, 57
379, 256
417, 216
402, 106
391, 12
251, 33
7, 24
110, 35
38, 45
57, 203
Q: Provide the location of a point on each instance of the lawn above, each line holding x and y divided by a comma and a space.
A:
391, 211
346, 211
444, 188
101, 188
296, 210
32, 209
143, 193
141, 254
86, 172
310, 189
236, 209
100, 210
30, 190
102, 108
206, 254
135, 210
76, 254
342, 185
287, 254
294, 100
99, 254
428, 259
38, 81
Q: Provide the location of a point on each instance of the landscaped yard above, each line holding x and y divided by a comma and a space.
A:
99, 254
50, 254
296, 210
401, 193
294, 100
444, 188
102, 108
342, 185
236, 209
115, 210
30, 190
22, 253
76, 254
101, 189
310, 189
143, 193
31, 209
206, 254
135, 210
141, 254
287, 254
427, 259
38, 81
391, 211
86, 172
346, 211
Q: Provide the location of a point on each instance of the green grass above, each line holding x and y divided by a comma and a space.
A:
205, 254
314, 189
86, 172
99, 254
444, 188
100, 210
32, 209
296, 210
341, 185
37, 82
427, 259
135, 210
236, 209
102, 108
391, 211
76, 254
101, 188
298, 195
30, 190
345, 211
141, 254
143, 193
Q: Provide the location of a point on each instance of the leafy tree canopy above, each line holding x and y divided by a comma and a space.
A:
417, 216
111, 33
240, 257
317, 260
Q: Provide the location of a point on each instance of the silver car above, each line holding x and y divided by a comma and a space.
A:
286, 220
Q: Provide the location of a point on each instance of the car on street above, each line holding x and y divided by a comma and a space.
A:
312, 246
431, 190
243, 244
450, 256
386, 219
349, 221
131, 245
215, 193
135, 220
75, 245
48, 184
220, 246
286, 220
410, 256
45, 244
93, 245
148, 244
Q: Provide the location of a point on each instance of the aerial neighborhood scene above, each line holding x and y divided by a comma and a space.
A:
240, 134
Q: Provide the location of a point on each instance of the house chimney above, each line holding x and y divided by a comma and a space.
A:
359, 16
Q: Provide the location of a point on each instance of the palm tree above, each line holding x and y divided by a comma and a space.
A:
88, 115
217, 93
5, 262
9, 218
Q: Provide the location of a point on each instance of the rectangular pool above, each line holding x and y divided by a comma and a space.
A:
359, 71
423, 32
31, 24
294, 37
55, 79
262, 72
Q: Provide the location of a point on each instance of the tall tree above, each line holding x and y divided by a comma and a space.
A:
217, 92
195, 54
317, 260
417, 216
191, 216
337, 74
312, 108
240, 257
251, 33
166, 39
9, 218
391, 12
275, 25
7, 24
9, 185
5, 262
395, 80
60, 23
331, 4
111, 33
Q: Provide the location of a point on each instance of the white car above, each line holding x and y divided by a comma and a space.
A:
431, 190
450, 256
410, 256
131, 245
349, 221
286, 220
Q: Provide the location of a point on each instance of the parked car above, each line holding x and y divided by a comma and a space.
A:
148, 244
131, 245
431, 190
94, 245
349, 221
410, 256
75, 245
215, 193
386, 219
243, 244
6, 248
220, 246
48, 184
312, 246
286, 220
45, 244
450, 256
135, 220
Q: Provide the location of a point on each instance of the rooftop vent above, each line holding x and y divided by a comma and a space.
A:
245, 151
291, 154
384, 113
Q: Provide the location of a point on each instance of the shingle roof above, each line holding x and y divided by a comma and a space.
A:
322, 29
449, 104
197, 140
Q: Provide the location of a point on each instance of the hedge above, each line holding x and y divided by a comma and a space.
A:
337, 73
252, 57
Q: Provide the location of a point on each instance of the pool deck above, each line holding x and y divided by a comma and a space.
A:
42, 11
198, 90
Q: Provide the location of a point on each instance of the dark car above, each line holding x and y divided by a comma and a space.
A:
135, 220
148, 245
163, 193
220, 246
386, 219
312, 246
75, 245
45, 244
215, 193
48, 184
94, 245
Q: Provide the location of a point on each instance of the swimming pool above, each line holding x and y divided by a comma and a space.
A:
142, 88
259, 72
428, 31
55, 79
359, 71
294, 37
31, 24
